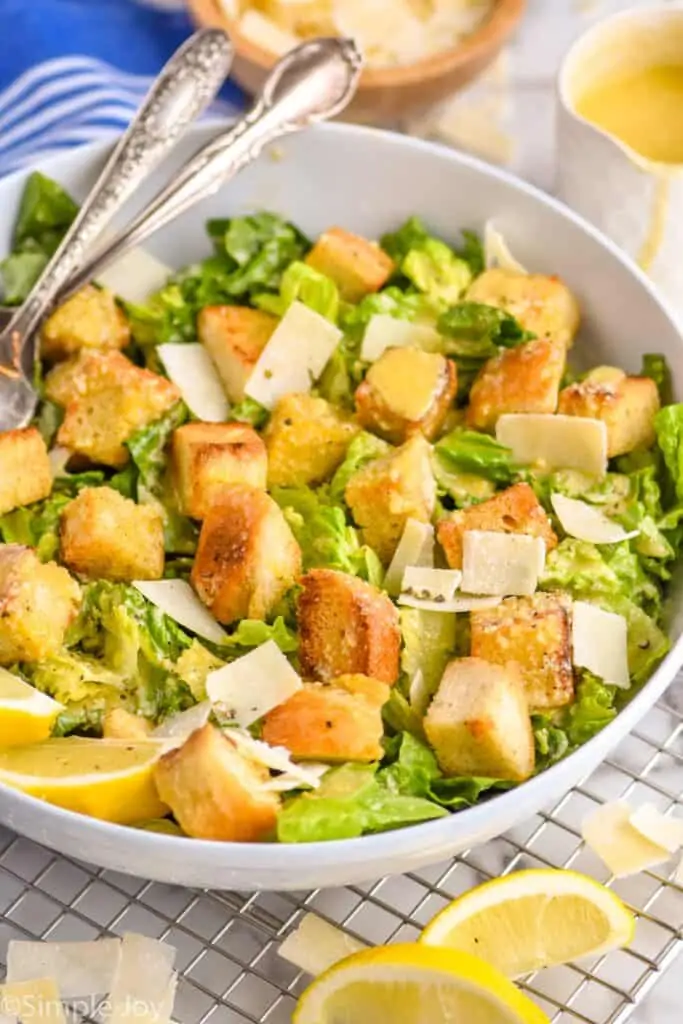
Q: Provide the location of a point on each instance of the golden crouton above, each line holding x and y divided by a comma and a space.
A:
356, 266
306, 439
90, 319
106, 536
626, 405
38, 602
120, 724
536, 633
247, 557
87, 374
208, 456
387, 492
25, 473
407, 391
514, 510
522, 379
107, 398
324, 722
346, 626
543, 305
234, 337
478, 722
215, 792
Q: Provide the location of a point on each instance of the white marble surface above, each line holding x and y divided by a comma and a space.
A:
519, 96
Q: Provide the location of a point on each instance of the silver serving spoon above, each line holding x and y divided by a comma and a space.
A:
311, 83
184, 88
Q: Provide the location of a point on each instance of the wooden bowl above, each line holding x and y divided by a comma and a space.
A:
384, 95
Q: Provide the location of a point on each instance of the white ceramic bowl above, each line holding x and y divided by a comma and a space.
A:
370, 181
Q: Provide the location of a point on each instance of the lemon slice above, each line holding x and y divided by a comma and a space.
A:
107, 779
409, 984
533, 919
26, 714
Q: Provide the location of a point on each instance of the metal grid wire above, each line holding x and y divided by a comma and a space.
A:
227, 942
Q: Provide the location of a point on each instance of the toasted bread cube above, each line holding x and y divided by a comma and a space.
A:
247, 557
478, 722
87, 374
346, 627
120, 724
206, 457
374, 691
536, 633
356, 266
90, 319
522, 379
106, 536
306, 438
627, 406
215, 792
234, 337
387, 492
325, 722
543, 305
38, 603
407, 391
107, 401
514, 510
25, 473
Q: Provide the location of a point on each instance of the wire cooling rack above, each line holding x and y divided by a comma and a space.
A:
227, 942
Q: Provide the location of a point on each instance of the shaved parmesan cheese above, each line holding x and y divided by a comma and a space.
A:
501, 563
661, 830
496, 251
585, 522
315, 945
263, 31
58, 460
36, 1000
253, 684
184, 723
560, 442
177, 599
430, 584
135, 276
144, 983
277, 759
608, 832
84, 969
191, 368
458, 603
599, 641
416, 547
296, 354
384, 331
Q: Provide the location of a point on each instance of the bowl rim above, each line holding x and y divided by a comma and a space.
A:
407, 841
490, 36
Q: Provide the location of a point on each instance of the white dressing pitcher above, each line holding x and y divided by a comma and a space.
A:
636, 200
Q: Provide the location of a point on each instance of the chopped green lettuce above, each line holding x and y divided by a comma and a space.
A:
413, 236
436, 271
351, 801
37, 525
45, 213
301, 283
249, 411
467, 451
364, 448
325, 537
429, 639
669, 430
656, 367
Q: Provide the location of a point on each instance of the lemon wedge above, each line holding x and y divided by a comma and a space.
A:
26, 714
407, 984
107, 779
533, 919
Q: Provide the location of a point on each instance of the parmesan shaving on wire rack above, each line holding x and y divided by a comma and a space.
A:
84, 969
315, 945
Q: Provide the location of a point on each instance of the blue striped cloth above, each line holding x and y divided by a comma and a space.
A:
72, 71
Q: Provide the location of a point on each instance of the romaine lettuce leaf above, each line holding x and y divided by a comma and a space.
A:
249, 411
413, 236
303, 284
391, 301
477, 331
364, 448
325, 537
466, 451
429, 639
37, 525
435, 270
669, 430
350, 801
656, 367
